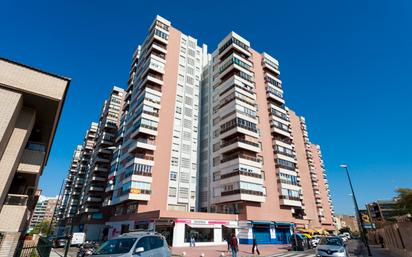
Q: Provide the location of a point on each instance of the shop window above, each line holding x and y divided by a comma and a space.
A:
200, 234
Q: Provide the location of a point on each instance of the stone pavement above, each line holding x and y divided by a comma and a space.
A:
216, 251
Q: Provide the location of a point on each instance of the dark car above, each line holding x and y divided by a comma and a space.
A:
59, 242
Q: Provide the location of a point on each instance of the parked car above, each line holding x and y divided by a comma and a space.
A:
315, 240
145, 244
343, 237
59, 242
87, 249
331, 246
299, 242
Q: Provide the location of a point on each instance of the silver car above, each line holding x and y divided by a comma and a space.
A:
331, 246
142, 244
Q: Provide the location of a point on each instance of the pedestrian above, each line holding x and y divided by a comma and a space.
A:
255, 246
381, 241
228, 237
234, 245
192, 241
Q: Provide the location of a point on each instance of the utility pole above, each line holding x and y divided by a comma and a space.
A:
358, 216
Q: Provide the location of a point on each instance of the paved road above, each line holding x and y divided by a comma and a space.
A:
72, 251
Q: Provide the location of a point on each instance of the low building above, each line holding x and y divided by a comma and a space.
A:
382, 210
43, 211
31, 101
347, 221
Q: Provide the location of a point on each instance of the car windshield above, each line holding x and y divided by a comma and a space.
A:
115, 246
331, 241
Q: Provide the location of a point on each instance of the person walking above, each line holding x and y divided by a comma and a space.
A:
228, 237
192, 241
234, 245
255, 245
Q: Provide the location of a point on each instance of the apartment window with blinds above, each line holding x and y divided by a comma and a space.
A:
186, 149
184, 177
187, 123
172, 191
189, 100
188, 112
183, 192
185, 163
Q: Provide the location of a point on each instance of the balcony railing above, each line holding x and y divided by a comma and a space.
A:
34, 146
289, 182
239, 140
133, 190
242, 191
223, 130
241, 156
144, 156
15, 199
238, 172
289, 197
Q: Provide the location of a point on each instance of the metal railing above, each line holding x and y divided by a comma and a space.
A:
15, 199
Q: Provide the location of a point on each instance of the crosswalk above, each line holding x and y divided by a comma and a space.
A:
293, 254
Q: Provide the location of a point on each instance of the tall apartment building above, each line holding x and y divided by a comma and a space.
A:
79, 177
30, 105
43, 211
93, 193
312, 176
63, 205
206, 147
87, 179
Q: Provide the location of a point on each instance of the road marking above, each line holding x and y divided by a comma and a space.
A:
293, 254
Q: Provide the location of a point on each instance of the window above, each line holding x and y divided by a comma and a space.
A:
183, 192
178, 110
173, 175
155, 242
175, 161
131, 208
199, 234
184, 177
172, 191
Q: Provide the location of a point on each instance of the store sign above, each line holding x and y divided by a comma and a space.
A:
206, 222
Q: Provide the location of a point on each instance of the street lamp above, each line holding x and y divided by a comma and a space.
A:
360, 221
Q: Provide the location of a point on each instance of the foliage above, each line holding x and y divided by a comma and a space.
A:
404, 200
42, 228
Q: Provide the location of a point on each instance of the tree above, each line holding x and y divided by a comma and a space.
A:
42, 228
404, 200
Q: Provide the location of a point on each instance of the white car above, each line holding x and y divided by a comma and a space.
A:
315, 240
344, 237
331, 246
142, 244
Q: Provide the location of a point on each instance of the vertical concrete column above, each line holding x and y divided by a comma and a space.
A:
14, 149
10, 106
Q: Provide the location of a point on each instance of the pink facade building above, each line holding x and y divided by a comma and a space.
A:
206, 147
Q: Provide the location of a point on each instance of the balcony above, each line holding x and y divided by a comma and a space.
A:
241, 195
15, 212
143, 143
240, 143
143, 129
96, 188
93, 199
32, 158
135, 194
98, 178
290, 200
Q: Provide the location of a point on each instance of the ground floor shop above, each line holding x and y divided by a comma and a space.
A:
180, 232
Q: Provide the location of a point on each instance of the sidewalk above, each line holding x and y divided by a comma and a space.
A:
216, 251
378, 251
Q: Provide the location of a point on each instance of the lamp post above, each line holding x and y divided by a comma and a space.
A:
360, 222
56, 207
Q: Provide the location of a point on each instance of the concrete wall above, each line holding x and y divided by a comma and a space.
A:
397, 237
10, 106
14, 149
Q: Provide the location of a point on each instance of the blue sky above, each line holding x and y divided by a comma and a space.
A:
345, 65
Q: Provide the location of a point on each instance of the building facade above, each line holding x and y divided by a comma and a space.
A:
30, 105
43, 211
206, 147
